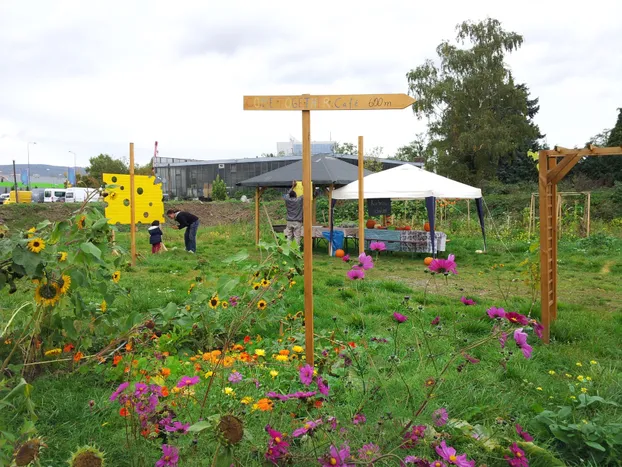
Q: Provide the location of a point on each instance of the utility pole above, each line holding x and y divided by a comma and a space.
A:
28, 151
15, 182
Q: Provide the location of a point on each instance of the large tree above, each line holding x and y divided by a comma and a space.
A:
105, 164
477, 114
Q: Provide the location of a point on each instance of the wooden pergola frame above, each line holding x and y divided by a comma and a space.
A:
551, 172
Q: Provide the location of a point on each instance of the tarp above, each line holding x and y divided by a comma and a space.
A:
408, 182
325, 170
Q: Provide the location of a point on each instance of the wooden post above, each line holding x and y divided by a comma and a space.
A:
589, 202
532, 213
547, 215
314, 209
257, 200
132, 207
552, 162
361, 196
330, 216
308, 234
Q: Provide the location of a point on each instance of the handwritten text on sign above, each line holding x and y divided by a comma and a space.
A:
335, 102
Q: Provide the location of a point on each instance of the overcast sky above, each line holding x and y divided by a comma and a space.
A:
91, 76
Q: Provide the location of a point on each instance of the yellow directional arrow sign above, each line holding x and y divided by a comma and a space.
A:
332, 102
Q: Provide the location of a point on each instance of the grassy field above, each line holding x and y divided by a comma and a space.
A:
73, 408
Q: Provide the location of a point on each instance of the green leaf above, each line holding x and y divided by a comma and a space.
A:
43, 224
3, 279
29, 260
594, 445
226, 284
69, 328
99, 224
91, 249
169, 311
199, 426
59, 230
237, 258
77, 277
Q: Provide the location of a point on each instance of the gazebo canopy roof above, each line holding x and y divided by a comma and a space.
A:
325, 170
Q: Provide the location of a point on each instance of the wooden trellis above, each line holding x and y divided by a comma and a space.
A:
551, 172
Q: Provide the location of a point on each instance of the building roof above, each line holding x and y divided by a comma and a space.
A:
325, 170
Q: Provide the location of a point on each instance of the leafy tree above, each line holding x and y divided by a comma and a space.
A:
477, 114
146, 169
105, 164
86, 181
347, 149
219, 189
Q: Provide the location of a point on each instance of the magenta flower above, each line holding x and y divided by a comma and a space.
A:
187, 381
359, 419
444, 266
322, 386
369, 452
417, 461
345, 258
377, 246
437, 464
440, 417
503, 339
235, 377
170, 456
519, 459
140, 389
365, 261
307, 428
412, 437
523, 434
470, 358
467, 301
400, 318
177, 426
277, 446
517, 318
356, 273
306, 374
435, 321
521, 341
495, 312
336, 457
122, 387
537, 328
449, 454
233, 301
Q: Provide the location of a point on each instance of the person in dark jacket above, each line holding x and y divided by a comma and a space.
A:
155, 237
187, 221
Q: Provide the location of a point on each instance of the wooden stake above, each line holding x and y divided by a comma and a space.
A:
314, 209
546, 245
589, 202
330, 216
308, 234
132, 207
257, 200
361, 196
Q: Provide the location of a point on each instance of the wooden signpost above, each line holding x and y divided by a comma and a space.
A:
551, 172
305, 103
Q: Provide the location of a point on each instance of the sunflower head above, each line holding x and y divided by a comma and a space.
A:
265, 282
82, 222
47, 294
62, 256
224, 304
64, 283
104, 306
256, 285
36, 245
28, 452
261, 304
116, 277
214, 302
87, 456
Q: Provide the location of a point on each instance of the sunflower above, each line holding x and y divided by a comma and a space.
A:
224, 304
36, 245
116, 276
47, 294
265, 282
261, 304
104, 306
82, 222
64, 283
62, 256
256, 286
31, 232
214, 302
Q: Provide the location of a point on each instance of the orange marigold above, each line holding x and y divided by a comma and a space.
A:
165, 372
265, 404
284, 352
78, 356
116, 359
123, 412
68, 348
164, 391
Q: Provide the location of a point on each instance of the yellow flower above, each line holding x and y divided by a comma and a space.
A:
580, 378
62, 256
261, 304
573, 398
31, 231
260, 352
209, 374
256, 286
104, 306
579, 364
214, 302
82, 222
188, 307
47, 294
229, 391
583, 390
568, 375
53, 352
224, 304
551, 372
265, 283
64, 283
281, 358
291, 284
298, 349
274, 373
36, 245
191, 287
539, 388
593, 362
246, 400
589, 378
584, 421
116, 276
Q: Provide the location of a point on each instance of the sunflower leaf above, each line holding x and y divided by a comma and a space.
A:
91, 249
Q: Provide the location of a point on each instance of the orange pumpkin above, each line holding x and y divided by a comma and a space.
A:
340, 253
428, 260
370, 223
426, 226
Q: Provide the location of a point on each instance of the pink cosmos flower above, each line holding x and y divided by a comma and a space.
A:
412, 437
437, 464
435, 321
336, 457
170, 456
440, 417
537, 328
503, 339
523, 434
416, 460
356, 273
359, 419
400, 318
306, 374
467, 301
177, 426
187, 381
517, 318
444, 266
307, 428
369, 452
521, 341
519, 459
235, 377
122, 387
495, 312
277, 446
345, 258
377, 246
322, 386
449, 454
366, 261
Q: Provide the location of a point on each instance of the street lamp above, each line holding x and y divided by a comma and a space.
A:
28, 151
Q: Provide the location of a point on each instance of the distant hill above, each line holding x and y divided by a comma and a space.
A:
43, 170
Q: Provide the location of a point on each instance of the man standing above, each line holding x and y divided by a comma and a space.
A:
187, 221
293, 204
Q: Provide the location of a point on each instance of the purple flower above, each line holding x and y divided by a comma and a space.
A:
437, 464
377, 246
418, 461
470, 358
519, 459
277, 446
400, 318
233, 301
521, 341
449, 454
537, 328
356, 273
467, 301
295, 395
235, 377
345, 258
187, 381
517, 318
306, 374
359, 419
523, 434
170, 456
495, 312
337, 457
366, 261
322, 386
435, 321
369, 452
412, 437
122, 387
332, 423
503, 339
440, 417
177, 426
444, 266
140, 389
307, 428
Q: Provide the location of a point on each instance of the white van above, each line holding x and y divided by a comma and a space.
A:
79, 195
54, 195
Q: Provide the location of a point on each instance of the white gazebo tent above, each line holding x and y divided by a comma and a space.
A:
409, 182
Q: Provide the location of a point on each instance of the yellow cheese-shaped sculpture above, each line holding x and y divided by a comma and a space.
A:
148, 199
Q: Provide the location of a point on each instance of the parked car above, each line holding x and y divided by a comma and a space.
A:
38, 195
79, 195
4, 197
